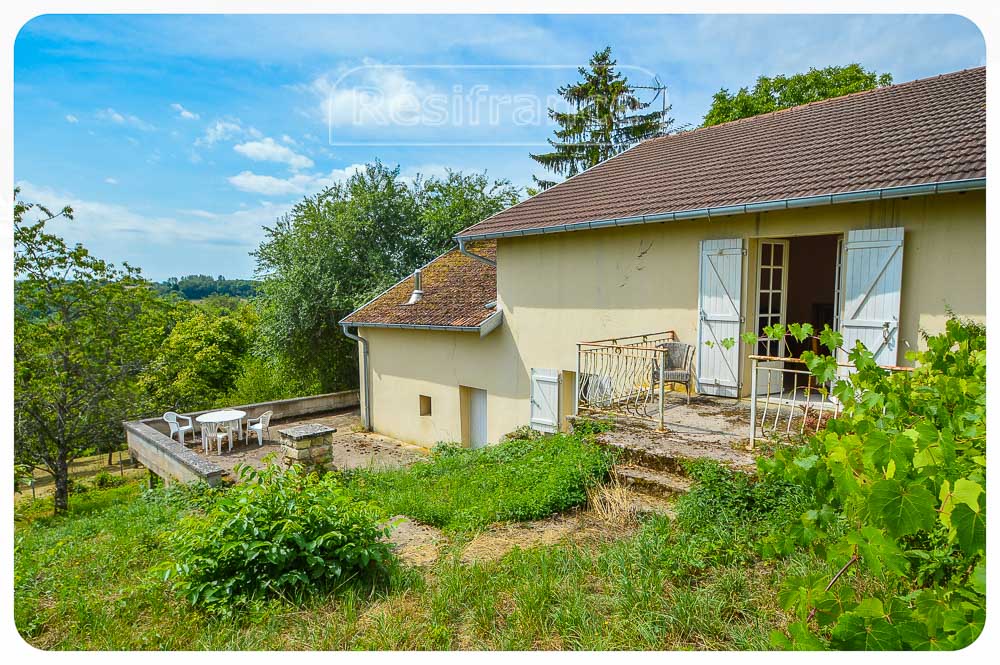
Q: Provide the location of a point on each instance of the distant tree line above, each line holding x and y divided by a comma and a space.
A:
196, 287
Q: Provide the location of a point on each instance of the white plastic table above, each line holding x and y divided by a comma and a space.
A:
231, 416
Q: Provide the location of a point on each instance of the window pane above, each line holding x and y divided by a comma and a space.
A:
776, 304
765, 254
765, 279
778, 252
776, 279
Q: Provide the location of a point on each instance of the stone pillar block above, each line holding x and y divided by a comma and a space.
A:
307, 444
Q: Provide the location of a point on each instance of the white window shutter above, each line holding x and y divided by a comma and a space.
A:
545, 400
719, 311
873, 278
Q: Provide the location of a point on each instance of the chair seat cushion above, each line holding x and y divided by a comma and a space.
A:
679, 376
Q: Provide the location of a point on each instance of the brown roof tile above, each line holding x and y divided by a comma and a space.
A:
456, 291
926, 131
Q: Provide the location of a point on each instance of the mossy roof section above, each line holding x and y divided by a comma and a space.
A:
456, 288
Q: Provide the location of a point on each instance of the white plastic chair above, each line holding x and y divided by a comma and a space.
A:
176, 428
260, 426
217, 431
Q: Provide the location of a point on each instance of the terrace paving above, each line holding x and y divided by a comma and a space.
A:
352, 448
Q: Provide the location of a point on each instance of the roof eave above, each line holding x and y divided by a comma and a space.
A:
921, 189
488, 325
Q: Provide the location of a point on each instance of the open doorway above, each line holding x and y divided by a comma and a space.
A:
798, 281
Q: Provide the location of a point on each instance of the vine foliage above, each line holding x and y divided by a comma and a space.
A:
899, 510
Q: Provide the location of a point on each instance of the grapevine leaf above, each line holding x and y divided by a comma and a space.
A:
978, 578
969, 527
856, 633
800, 331
902, 509
967, 492
831, 339
877, 551
882, 448
801, 639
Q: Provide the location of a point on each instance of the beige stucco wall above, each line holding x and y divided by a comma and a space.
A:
557, 290
612, 282
408, 363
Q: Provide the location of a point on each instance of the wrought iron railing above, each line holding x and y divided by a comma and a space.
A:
786, 398
616, 376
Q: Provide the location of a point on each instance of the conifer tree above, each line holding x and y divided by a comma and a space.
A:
606, 118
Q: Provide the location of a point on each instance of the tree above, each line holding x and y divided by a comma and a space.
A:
781, 92
345, 245
83, 330
605, 120
450, 204
199, 361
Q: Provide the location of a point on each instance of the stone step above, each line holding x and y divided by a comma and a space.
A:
628, 456
669, 452
651, 504
651, 481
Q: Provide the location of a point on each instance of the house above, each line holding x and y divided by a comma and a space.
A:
866, 212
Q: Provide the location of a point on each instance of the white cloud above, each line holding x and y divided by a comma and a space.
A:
372, 94
184, 113
288, 139
160, 244
72, 119
249, 181
111, 115
220, 130
111, 181
300, 183
204, 214
269, 150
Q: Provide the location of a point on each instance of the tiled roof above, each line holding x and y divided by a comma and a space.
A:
926, 131
456, 290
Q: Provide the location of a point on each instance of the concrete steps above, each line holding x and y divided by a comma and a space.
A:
669, 453
652, 482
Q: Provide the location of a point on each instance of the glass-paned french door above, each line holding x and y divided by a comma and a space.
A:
772, 288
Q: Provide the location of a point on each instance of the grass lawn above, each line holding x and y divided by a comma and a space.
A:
461, 489
83, 469
87, 581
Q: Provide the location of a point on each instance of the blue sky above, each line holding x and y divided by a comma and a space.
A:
176, 138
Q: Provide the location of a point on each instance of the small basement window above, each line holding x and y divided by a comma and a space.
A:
425, 405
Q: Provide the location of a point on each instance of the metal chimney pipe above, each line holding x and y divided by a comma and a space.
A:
418, 292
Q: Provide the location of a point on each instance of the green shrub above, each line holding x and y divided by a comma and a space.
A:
461, 489
104, 480
591, 426
522, 432
277, 534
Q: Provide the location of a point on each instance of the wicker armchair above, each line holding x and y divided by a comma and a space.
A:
678, 366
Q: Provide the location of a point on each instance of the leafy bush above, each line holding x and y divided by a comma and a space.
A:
522, 432
462, 489
104, 480
278, 533
898, 482
728, 512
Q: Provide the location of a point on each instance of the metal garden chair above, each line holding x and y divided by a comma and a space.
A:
677, 366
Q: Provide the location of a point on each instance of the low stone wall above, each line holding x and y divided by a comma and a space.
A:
167, 458
149, 442
283, 409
